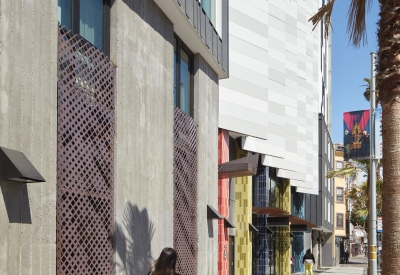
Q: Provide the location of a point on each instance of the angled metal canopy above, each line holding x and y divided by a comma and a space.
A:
15, 166
212, 213
228, 223
242, 167
252, 228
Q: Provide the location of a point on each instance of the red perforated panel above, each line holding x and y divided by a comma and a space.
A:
85, 158
185, 192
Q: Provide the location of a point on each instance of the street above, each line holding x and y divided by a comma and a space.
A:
357, 266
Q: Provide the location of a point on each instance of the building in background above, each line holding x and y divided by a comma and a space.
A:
276, 103
341, 207
117, 108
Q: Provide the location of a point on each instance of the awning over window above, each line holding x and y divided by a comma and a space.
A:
242, 167
297, 221
274, 212
15, 166
270, 211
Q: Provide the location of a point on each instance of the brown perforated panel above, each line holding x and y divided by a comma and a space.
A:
185, 192
85, 158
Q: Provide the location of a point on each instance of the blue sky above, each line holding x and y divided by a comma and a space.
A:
349, 66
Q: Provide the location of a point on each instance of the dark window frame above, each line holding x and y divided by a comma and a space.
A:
337, 200
181, 45
337, 224
75, 24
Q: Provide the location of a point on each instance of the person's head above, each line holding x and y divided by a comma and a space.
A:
165, 264
308, 251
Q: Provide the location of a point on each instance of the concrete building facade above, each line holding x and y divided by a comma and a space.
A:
143, 79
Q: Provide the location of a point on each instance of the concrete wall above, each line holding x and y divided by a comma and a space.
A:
206, 116
28, 123
142, 49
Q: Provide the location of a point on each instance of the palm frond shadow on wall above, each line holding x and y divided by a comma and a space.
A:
133, 242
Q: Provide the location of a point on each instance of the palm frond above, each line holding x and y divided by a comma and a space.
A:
344, 172
356, 27
326, 11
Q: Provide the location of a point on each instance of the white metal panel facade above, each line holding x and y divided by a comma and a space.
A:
273, 95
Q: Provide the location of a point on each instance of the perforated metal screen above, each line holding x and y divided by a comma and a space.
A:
185, 192
85, 158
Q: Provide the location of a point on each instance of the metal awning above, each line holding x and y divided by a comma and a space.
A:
278, 221
228, 223
270, 211
242, 167
274, 212
298, 228
298, 221
212, 213
252, 228
15, 166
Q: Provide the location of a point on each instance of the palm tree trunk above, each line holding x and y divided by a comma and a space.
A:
389, 85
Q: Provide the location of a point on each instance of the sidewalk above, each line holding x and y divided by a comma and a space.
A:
357, 266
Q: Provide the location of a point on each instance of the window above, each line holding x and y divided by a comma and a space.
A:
329, 211
339, 194
183, 77
339, 220
339, 165
89, 18
209, 8
274, 193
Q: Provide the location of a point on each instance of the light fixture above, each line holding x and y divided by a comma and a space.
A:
15, 166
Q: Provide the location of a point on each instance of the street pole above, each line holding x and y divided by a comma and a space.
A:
372, 175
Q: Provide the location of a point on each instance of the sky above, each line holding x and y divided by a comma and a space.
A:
349, 66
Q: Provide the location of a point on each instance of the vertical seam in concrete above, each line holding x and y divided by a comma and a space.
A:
31, 80
21, 75
41, 139
21, 84
9, 124
53, 47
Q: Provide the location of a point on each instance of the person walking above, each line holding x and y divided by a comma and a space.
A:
308, 261
165, 264
346, 256
291, 264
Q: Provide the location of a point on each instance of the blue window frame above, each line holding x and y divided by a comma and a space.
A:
183, 77
89, 18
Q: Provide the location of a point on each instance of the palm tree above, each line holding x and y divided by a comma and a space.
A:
358, 194
368, 91
388, 77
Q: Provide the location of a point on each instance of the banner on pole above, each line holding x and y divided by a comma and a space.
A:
356, 135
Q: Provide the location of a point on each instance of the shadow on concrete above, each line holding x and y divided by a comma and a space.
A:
133, 241
146, 9
15, 196
210, 229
